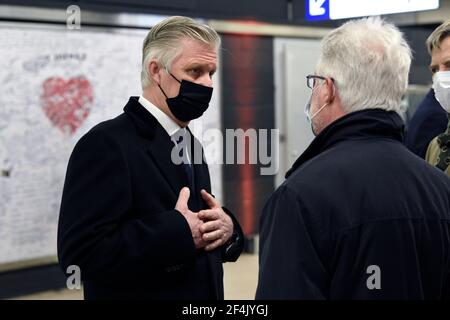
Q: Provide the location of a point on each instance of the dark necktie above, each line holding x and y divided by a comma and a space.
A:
181, 144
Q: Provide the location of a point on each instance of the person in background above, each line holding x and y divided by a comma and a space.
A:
137, 216
359, 216
438, 44
428, 121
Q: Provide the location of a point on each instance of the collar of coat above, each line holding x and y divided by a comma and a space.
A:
159, 146
144, 121
364, 124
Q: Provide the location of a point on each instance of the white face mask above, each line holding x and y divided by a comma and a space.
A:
308, 107
441, 86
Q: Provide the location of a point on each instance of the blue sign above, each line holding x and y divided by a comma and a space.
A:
344, 9
317, 10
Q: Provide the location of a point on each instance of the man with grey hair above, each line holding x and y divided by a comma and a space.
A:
137, 216
359, 216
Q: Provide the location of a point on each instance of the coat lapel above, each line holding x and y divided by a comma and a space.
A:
160, 148
201, 174
202, 181
157, 143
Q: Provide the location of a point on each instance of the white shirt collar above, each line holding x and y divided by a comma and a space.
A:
164, 120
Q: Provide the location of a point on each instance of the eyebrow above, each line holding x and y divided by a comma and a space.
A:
200, 65
436, 65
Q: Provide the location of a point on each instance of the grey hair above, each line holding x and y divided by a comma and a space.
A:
439, 34
163, 41
369, 59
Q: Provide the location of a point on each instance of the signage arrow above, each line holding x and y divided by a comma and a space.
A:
315, 7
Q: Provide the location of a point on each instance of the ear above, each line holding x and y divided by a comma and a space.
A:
154, 71
329, 92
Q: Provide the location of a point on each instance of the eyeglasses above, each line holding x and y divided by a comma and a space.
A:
311, 80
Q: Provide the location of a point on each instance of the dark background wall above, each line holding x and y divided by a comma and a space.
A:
273, 11
247, 102
416, 36
269, 10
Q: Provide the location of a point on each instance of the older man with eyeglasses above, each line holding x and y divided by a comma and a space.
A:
358, 216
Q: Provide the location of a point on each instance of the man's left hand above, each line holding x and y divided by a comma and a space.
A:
218, 226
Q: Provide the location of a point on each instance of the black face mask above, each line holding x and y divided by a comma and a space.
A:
191, 102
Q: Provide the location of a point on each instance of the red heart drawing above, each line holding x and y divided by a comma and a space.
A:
67, 102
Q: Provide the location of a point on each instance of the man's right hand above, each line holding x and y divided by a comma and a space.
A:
191, 217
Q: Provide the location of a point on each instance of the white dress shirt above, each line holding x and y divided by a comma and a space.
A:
164, 120
171, 127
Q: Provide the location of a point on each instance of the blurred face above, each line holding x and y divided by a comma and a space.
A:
322, 93
196, 63
440, 57
316, 103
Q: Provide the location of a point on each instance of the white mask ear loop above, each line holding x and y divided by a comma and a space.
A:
317, 112
320, 109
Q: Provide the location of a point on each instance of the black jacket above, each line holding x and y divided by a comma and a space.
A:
118, 222
429, 120
355, 199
